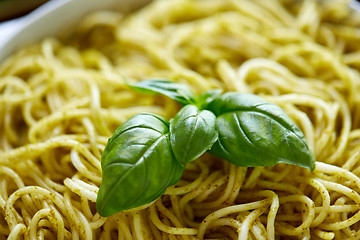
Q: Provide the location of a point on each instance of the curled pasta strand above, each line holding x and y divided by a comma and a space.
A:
308, 218
9, 206
83, 189
18, 231
334, 170
246, 223
171, 230
51, 214
172, 218
325, 199
226, 211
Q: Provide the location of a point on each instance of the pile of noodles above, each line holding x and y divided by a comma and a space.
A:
60, 101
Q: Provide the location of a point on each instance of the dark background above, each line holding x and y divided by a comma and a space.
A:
15, 8
10, 9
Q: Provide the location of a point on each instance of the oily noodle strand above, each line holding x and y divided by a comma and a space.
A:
60, 101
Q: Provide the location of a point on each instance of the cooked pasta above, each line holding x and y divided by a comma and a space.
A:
61, 99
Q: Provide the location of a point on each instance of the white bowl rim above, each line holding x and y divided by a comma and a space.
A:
54, 17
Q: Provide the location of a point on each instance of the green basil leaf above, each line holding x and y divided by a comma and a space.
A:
176, 91
204, 99
192, 132
253, 132
138, 165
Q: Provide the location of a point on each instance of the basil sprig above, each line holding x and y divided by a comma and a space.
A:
147, 153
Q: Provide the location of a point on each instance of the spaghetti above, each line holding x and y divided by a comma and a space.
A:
60, 100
